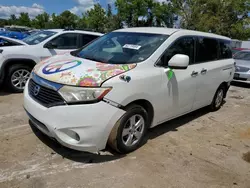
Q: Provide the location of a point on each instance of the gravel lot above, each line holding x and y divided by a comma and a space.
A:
201, 149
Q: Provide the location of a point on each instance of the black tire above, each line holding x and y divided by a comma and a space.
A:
214, 105
10, 73
115, 140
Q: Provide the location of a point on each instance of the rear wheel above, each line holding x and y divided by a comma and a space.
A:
128, 133
17, 77
218, 99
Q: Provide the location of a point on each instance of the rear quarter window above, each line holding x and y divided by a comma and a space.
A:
225, 50
85, 39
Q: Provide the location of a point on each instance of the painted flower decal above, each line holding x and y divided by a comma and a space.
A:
87, 81
114, 72
106, 67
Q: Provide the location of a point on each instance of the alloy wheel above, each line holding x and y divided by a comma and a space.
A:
19, 78
133, 130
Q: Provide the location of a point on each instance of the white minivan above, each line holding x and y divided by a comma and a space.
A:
112, 90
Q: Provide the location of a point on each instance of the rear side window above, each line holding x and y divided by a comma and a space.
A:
66, 41
206, 50
85, 39
225, 49
183, 46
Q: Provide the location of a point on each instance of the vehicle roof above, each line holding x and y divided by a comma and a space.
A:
170, 31
75, 31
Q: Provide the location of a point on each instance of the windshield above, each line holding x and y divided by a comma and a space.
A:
38, 37
242, 56
122, 47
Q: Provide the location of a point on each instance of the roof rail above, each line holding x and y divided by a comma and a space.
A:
69, 29
86, 29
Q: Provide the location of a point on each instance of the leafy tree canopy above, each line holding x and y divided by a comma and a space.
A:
224, 17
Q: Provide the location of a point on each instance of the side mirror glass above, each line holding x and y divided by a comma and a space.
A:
179, 61
50, 45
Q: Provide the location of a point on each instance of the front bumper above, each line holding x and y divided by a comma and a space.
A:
242, 76
91, 122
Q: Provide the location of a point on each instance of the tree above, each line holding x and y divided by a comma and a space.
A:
24, 19
41, 21
222, 17
97, 18
163, 14
145, 13
131, 11
65, 19
13, 19
109, 11
113, 21
83, 22
3, 22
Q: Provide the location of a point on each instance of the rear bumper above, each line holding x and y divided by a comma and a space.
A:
90, 124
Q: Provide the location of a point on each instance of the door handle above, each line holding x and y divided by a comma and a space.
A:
203, 71
194, 73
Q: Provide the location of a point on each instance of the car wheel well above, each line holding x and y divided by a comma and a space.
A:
225, 86
147, 106
28, 62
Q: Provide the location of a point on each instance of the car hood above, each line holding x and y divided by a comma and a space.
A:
70, 70
242, 63
15, 41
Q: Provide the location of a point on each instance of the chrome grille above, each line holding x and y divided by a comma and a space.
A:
43, 95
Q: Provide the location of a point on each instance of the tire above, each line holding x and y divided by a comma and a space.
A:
14, 73
218, 99
123, 125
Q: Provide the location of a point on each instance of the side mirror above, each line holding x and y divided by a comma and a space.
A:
50, 45
179, 61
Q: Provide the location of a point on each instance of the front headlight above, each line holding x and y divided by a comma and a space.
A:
81, 94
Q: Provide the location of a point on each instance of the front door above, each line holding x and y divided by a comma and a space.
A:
179, 88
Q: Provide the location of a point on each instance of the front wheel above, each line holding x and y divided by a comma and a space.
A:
128, 133
17, 77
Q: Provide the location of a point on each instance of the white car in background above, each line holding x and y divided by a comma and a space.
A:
242, 60
114, 89
17, 58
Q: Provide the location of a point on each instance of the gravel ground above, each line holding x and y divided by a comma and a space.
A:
201, 149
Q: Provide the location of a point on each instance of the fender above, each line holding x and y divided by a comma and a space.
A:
7, 62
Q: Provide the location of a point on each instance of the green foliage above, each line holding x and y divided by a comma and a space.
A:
113, 22
226, 18
24, 19
65, 19
145, 13
41, 21
12, 20
3, 22
96, 18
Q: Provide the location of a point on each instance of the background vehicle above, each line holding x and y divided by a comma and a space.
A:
6, 41
14, 34
114, 89
242, 60
17, 60
235, 50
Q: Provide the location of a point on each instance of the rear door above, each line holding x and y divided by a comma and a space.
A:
214, 66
